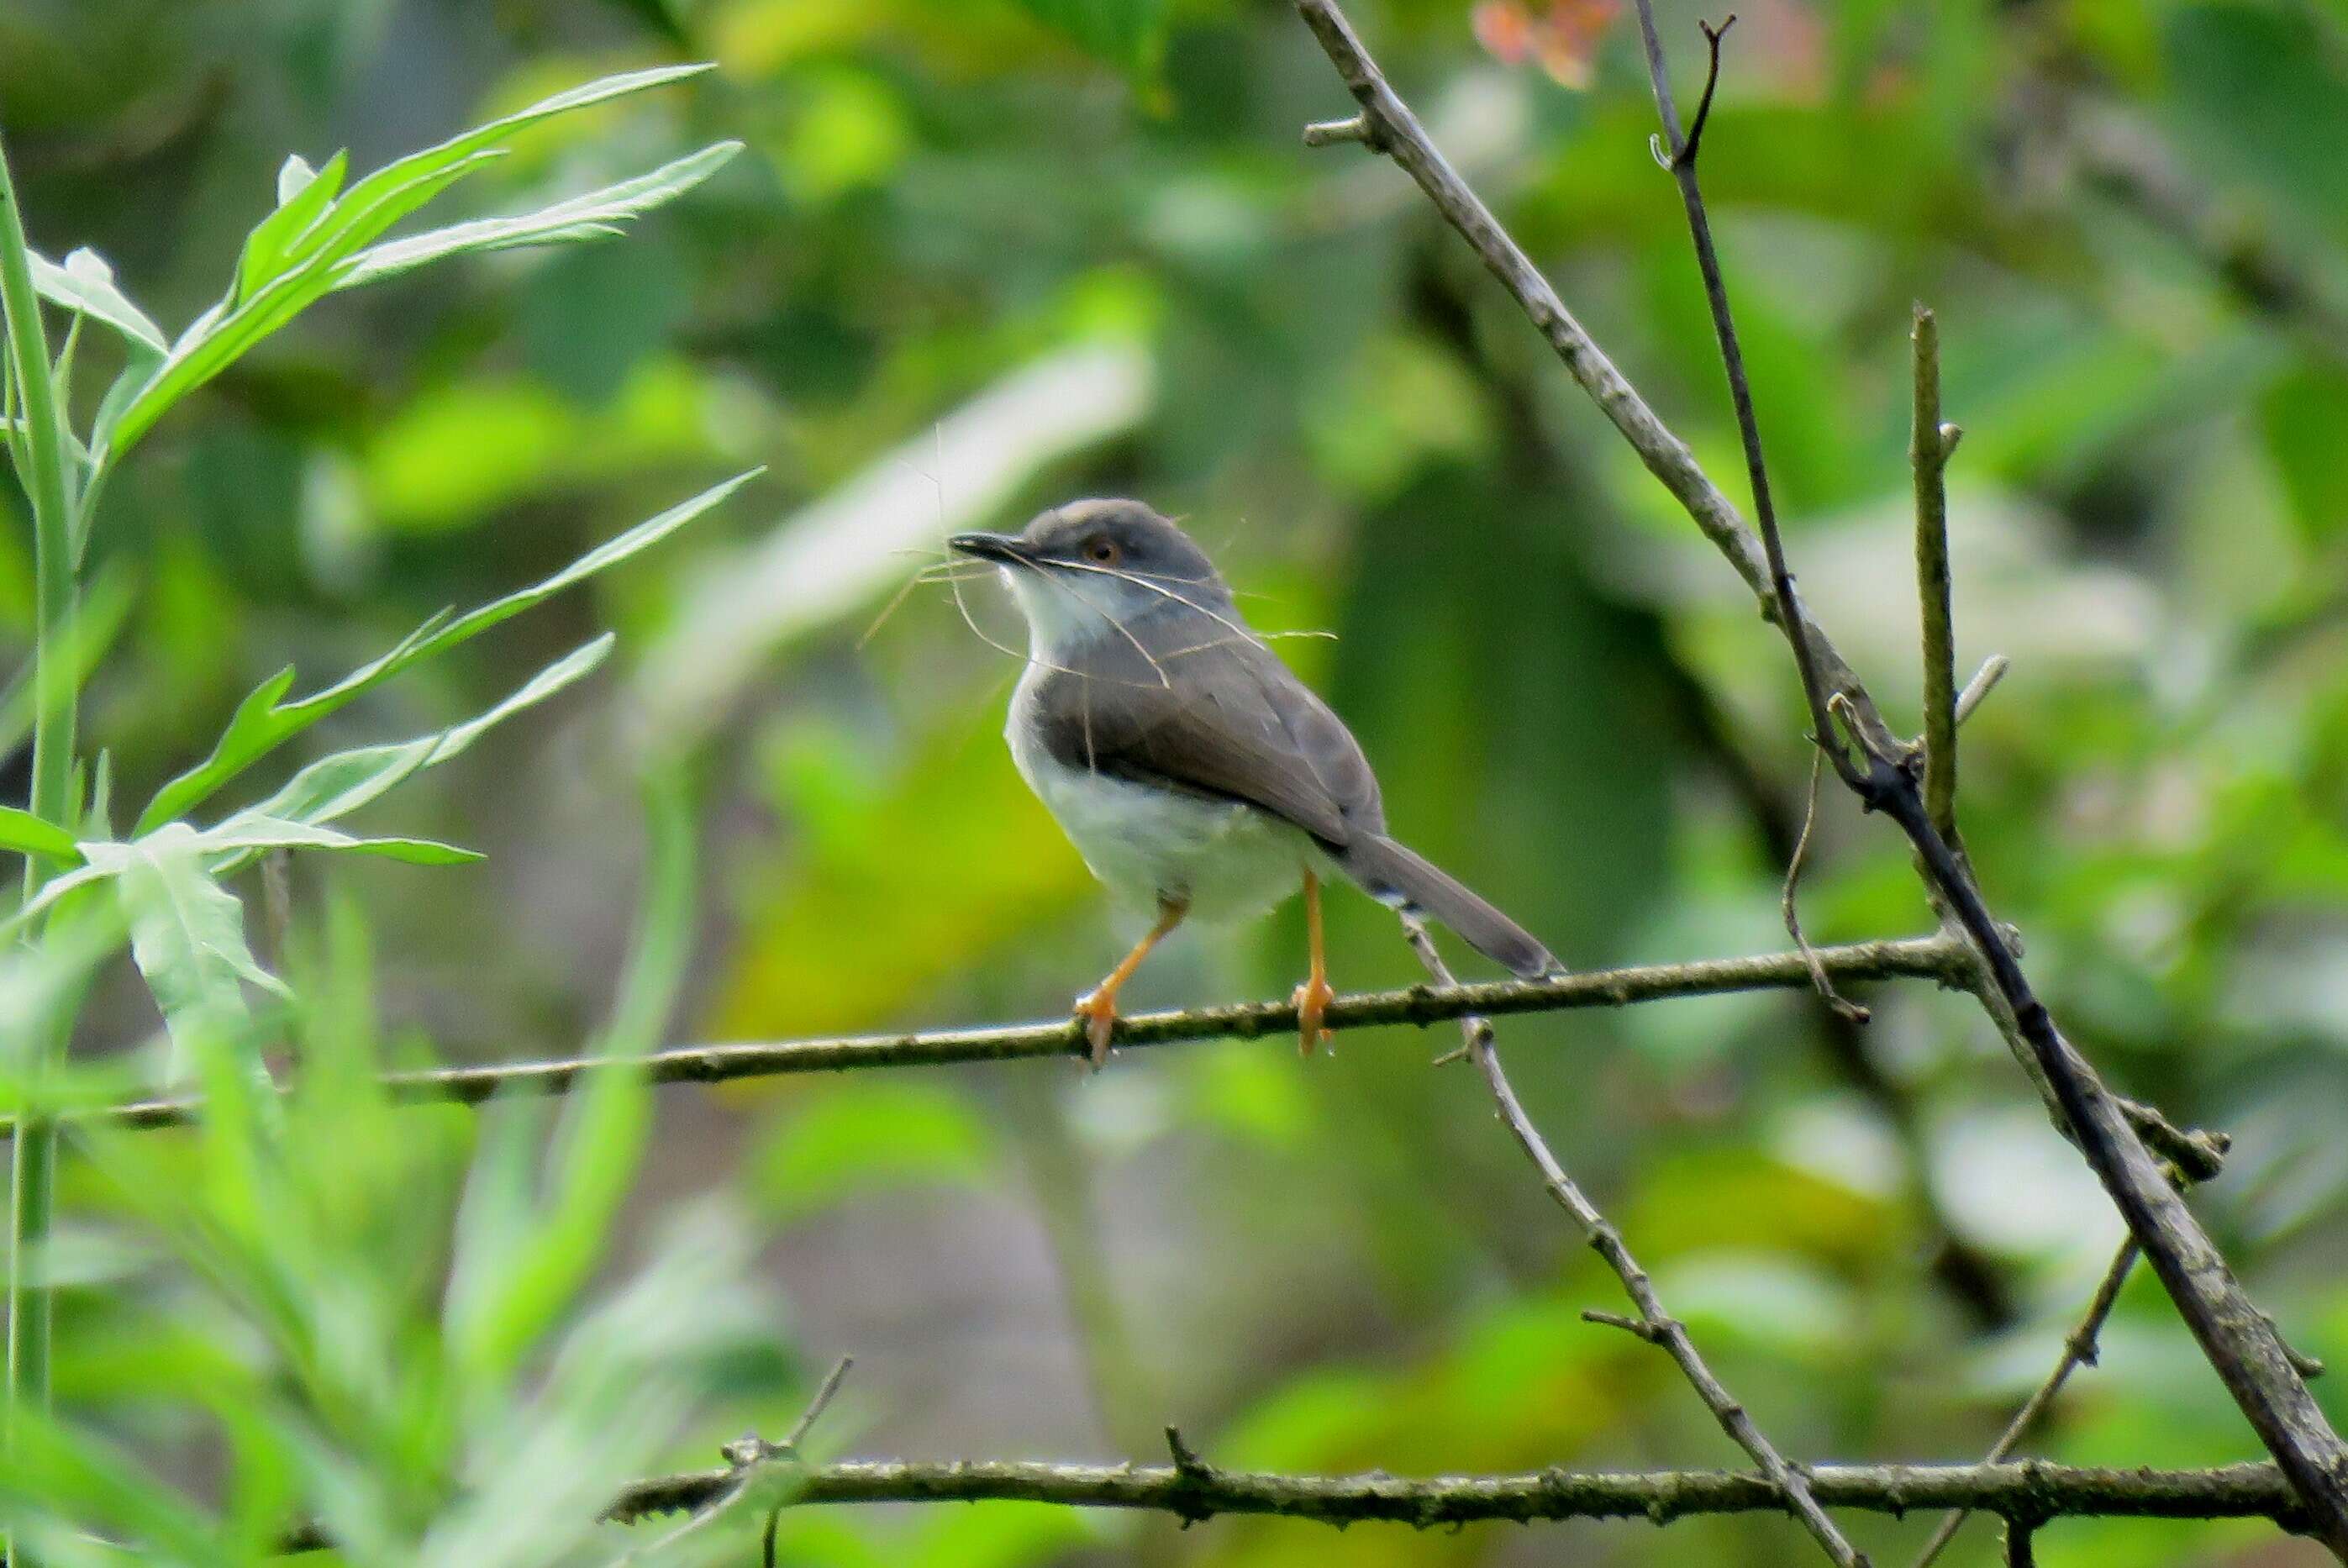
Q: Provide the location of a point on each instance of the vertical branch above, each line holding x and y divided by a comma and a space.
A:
1678, 156
33, 1158
1929, 443
45, 486
1654, 1324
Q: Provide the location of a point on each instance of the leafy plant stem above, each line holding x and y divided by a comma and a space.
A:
34, 1155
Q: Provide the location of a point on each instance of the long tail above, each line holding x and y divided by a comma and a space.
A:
1394, 873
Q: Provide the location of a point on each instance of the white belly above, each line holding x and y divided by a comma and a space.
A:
1229, 861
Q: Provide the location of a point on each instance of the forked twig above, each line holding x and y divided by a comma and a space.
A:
1711, 36
1654, 1324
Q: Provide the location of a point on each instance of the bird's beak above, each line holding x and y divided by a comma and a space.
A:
1007, 548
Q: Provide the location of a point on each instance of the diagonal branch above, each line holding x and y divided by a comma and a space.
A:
2239, 1342
1654, 1324
2078, 1350
1942, 958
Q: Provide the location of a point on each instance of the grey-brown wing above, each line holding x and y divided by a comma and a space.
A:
1189, 704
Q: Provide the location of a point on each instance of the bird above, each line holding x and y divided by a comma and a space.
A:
1195, 774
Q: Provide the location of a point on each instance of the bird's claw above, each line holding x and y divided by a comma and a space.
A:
1312, 1000
1098, 1010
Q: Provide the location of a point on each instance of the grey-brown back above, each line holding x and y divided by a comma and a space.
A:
1188, 700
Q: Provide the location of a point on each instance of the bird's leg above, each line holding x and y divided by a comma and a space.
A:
1097, 1008
1313, 997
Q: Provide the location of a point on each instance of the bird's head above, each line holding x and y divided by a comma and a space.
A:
1079, 567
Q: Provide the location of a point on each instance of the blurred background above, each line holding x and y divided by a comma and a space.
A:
982, 256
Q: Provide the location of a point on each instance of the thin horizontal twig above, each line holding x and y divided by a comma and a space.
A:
1944, 958
2028, 1490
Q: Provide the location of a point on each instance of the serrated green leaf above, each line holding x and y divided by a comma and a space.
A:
187, 936
303, 196
596, 214
84, 284
262, 722
29, 835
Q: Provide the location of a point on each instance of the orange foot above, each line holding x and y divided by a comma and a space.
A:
1098, 1010
1312, 1000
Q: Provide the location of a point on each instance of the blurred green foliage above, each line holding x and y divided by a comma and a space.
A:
1328, 1264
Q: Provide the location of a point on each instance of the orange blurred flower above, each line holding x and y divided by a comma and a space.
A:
1563, 36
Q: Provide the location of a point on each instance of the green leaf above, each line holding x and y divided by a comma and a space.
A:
456, 149
187, 935
86, 284
30, 835
262, 722
223, 333
248, 831
58, 1478
303, 196
595, 215
287, 267
335, 786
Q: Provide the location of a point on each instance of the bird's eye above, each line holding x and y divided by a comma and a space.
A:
1102, 549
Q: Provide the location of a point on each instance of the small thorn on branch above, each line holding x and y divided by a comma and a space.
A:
1190, 1470
1330, 132
1187, 1460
